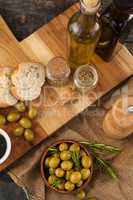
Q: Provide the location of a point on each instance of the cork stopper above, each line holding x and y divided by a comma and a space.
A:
90, 6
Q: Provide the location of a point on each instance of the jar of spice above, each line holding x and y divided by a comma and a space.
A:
58, 71
86, 78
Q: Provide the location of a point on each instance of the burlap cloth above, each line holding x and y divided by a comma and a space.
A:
88, 125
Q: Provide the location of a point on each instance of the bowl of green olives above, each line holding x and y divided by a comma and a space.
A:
66, 166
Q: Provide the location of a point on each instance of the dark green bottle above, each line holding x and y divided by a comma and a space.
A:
115, 20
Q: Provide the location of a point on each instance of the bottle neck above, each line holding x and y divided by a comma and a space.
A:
87, 20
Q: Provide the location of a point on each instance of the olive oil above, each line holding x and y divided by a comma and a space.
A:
83, 33
3, 146
115, 20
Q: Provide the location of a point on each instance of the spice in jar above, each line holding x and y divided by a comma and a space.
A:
57, 71
86, 77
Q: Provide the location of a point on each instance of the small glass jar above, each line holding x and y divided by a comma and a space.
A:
86, 78
58, 71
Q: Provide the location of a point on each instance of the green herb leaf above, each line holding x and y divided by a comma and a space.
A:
102, 148
106, 167
76, 159
56, 183
53, 150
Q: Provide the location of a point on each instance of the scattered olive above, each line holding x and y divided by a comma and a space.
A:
18, 131
32, 112
51, 179
85, 173
75, 147
69, 186
54, 162
2, 119
59, 172
20, 106
65, 155
75, 177
81, 194
63, 147
66, 165
56, 155
29, 135
25, 122
13, 116
86, 162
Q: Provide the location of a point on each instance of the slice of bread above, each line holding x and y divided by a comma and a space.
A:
6, 98
27, 81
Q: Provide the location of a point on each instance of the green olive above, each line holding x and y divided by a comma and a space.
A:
18, 131
61, 186
32, 112
83, 153
63, 147
81, 194
13, 116
69, 186
51, 171
86, 162
85, 173
54, 162
29, 135
79, 184
51, 179
59, 172
75, 147
2, 119
75, 177
65, 155
47, 161
66, 165
20, 106
25, 122
68, 174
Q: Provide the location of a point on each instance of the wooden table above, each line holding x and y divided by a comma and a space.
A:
24, 18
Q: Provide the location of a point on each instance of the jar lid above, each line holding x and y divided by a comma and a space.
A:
86, 76
124, 5
57, 69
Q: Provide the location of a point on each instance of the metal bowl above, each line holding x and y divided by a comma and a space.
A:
43, 171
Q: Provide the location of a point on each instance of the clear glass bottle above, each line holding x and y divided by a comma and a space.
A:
114, 22
84, 33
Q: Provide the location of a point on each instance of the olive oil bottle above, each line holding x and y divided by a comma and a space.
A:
83, 33
116, 20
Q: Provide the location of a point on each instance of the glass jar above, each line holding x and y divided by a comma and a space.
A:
86, 77
58, 71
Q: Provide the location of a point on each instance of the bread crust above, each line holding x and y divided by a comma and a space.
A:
27, 81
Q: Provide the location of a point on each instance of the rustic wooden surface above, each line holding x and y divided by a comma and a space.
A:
41, 46
16, 12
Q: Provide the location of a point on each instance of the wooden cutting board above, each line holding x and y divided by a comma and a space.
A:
41, 46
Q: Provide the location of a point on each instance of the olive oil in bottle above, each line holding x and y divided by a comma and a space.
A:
116, 20
84, 33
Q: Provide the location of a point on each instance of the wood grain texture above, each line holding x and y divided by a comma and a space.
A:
41, 46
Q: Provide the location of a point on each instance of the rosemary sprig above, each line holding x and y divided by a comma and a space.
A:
56, 183
97, 150
76, 159
106, 167
53, 150
102, 148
